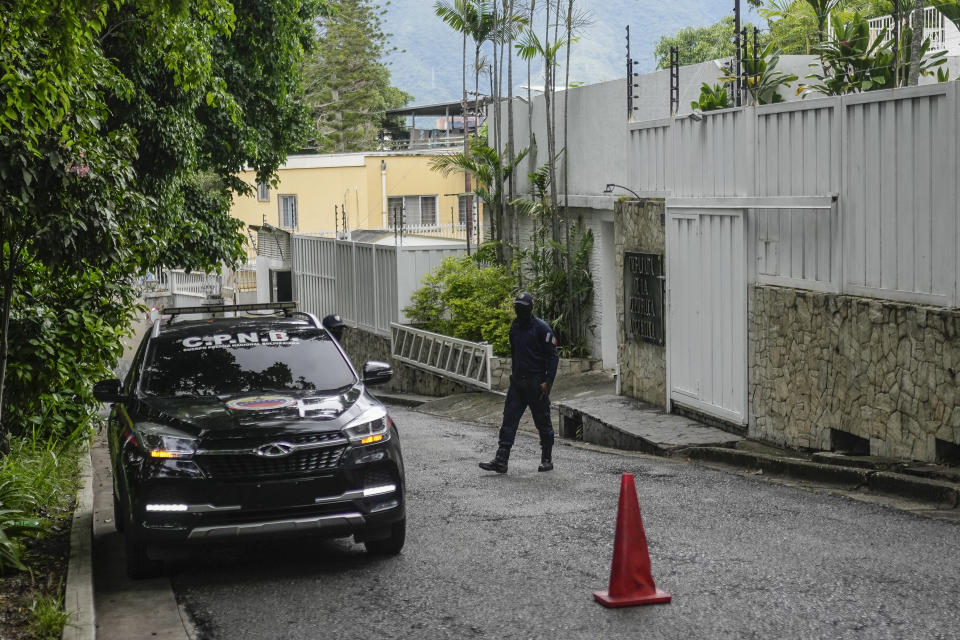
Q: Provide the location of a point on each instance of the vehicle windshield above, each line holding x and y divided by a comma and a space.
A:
212, 363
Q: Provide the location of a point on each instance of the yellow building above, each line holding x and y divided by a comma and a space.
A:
351, 191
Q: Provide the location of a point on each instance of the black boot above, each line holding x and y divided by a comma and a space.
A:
499, 462
546, 458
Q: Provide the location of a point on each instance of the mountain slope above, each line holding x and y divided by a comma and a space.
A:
427, 64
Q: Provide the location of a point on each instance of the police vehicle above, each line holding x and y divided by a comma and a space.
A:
255, 424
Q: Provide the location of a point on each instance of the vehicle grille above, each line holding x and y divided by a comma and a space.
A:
249, 466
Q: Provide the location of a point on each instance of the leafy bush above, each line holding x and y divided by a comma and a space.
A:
712, 98
37, 483
47, 617
463, 299
65, 333
853, 62
14, 523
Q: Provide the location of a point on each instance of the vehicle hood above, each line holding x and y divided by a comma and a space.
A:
258, 414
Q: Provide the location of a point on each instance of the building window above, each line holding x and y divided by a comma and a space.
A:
288, 211
415, 210
428, 210
394, 211
263, 192
461, 209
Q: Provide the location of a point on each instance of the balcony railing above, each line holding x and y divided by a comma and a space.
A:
934, 27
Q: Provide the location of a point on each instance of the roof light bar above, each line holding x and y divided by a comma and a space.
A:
224, 308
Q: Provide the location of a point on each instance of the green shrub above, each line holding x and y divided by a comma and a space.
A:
65, 333
47, 618
463, 299
37, 483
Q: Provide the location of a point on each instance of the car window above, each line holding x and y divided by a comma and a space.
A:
216, 361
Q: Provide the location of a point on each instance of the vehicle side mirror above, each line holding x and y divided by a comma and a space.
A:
108, 391
375, 372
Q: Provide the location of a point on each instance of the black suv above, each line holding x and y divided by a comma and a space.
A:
230, 427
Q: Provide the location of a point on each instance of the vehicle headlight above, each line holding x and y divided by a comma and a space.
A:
369, 428
162, 441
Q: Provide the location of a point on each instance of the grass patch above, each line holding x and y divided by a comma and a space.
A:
38, 487
47, 617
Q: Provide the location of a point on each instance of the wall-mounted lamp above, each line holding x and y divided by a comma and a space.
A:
610, 187
696, 115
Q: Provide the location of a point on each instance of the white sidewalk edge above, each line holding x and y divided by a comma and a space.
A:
78, 596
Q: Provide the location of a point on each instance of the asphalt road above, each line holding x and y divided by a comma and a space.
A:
518, 556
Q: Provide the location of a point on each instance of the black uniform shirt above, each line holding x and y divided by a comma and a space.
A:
534, 350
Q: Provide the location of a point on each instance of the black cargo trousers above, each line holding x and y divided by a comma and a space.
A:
525, 392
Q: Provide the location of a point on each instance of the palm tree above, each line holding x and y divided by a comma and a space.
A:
461, 15
490, 172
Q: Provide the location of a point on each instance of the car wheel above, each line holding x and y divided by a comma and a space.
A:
392, 544
139, 564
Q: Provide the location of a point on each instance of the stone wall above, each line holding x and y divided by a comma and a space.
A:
500, 369
883, 371
638, 226
363, 346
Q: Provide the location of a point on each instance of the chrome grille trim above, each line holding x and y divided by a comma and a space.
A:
252, 451
305, 525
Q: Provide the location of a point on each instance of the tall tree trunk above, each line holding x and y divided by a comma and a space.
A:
496, 229
914, 76
549, 91
574, 305
532, 143
476, 108
466, 148
512, 186
8, 280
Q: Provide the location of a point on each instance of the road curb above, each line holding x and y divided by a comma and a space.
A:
916, 488
78, 595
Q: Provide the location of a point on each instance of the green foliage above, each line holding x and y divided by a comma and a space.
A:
700, 44
712, 98
491, 174
48, 617
763, 80
795, 28
949, 8
65, 331
851, 63
114, 109
37, 483
463, 299
347, 86
543, 269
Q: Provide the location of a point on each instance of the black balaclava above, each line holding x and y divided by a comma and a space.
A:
523, 307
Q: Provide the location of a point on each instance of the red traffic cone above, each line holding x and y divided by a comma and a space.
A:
630, 580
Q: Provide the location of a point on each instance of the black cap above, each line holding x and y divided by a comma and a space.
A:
332, 321
524, 298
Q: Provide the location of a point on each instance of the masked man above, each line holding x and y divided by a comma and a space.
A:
533, 347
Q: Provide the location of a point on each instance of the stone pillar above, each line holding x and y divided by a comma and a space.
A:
638, 227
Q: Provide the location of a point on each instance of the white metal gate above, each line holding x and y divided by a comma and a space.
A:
707, 311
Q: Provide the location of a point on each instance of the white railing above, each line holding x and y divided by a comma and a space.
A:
934, 27
195, 285
461, 360
450, 231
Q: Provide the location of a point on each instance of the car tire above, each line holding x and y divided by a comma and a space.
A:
139, 564
392, 544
